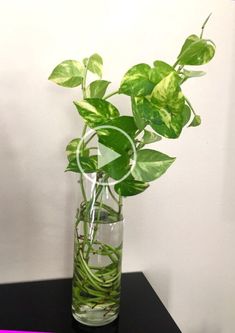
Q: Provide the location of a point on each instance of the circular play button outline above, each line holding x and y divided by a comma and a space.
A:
93, 130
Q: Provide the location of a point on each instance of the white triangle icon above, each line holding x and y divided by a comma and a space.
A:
106, 155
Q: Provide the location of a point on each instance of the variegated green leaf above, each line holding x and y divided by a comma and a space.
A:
186, 115
167, 117
170, 131
118, 168
116, 140
160, 70
95, 64
96, 111
150, 137
88, 164
68, 74
85, 61
167, 94
196, 51
189, 74
188, 42
136, 104
172, 127
162, 121
136, 81
97, 89
71, 149
151, 164
130, 187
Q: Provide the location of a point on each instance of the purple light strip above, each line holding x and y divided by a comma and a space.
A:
21, 332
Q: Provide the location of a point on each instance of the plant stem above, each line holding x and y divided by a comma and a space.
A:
86, 221
180, 68
81, 176
83, 146
183, 80
90, 138
176, 63
82, 188
83, 133
92, 148
112, 94
95, 229
112, 195
204, 24
120, 205
138, 132
84, 130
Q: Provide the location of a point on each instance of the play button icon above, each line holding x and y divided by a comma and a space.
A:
106, 155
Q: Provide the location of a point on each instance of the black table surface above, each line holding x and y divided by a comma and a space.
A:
46, 306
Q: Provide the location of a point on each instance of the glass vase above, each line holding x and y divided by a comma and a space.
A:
97, 255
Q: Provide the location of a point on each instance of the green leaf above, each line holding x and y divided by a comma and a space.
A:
68, 74
71, 149
118, 168
196, 121
186, 115
73, 166
162, 121
190, 40
160, 70
167, 94
118, 142
172, 128
130, 186
95, 64
196, 51
88, 164
96, 111
166, 112
188, 74
97, 89
126, 124
136, 81
151, 164
136, 110
85, 61
171, 131
150, 137
115, 139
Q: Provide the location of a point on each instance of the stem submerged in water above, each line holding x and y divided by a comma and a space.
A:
97, 262
97, 273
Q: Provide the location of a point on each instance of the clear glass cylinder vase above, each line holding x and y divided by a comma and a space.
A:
97, 255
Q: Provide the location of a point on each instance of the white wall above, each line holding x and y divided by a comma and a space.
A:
180, 232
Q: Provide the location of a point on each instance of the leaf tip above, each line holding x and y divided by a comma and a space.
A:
196, 121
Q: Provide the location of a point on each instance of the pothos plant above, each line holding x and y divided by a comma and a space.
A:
160, 109
157, 102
